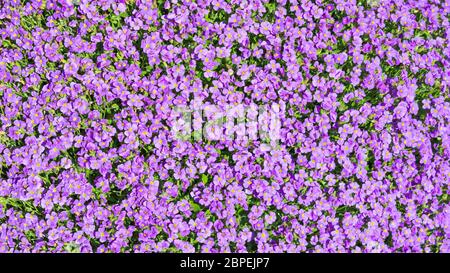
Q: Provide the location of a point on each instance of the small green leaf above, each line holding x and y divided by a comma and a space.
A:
205, 178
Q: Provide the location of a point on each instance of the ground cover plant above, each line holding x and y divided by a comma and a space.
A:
359, 160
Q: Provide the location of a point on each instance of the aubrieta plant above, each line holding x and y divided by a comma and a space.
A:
89, 91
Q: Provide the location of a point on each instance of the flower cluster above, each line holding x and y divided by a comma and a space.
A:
89, 163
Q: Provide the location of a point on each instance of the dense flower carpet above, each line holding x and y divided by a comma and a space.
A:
224, 126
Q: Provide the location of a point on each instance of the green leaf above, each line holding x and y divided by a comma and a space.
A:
196, 207
205, 178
